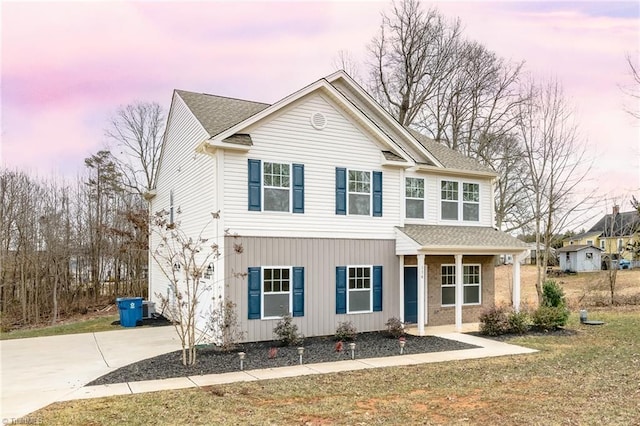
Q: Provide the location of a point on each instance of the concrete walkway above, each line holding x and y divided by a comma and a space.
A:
39, 371
488, 348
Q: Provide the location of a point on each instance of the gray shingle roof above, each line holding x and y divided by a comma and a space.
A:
392, 156
448, 157
461, 236
625, 223
575, 247
217, 113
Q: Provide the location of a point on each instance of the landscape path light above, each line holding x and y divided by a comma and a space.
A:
352, 347
300, 353
402, 342
241, 355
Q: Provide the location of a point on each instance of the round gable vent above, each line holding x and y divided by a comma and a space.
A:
318, 120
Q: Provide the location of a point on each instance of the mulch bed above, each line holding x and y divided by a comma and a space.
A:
212, 360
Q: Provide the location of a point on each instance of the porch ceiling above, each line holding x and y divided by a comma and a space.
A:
439, 239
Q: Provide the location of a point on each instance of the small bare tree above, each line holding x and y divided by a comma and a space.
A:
183, 260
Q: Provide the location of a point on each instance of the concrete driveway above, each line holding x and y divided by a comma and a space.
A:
39, 371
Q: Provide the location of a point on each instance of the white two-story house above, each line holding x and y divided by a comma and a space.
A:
343, 214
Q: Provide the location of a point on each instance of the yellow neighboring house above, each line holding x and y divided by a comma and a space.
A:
611, 234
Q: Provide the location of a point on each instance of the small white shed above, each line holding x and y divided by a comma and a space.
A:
580, 258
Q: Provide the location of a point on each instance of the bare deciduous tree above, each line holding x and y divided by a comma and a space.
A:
411, 57
137, 129
633, 89
556, 164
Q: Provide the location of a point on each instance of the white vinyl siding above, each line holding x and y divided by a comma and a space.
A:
290, 138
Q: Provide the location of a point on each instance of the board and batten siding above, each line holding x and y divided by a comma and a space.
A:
290, 138
191, 178
319, 258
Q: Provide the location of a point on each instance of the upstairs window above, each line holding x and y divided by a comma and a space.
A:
359, 192
456, 204
277, 185
449, 197
414, 198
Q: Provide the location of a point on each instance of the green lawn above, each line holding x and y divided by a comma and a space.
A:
86, 326
592, 377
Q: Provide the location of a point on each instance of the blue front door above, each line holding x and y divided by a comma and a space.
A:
411, 294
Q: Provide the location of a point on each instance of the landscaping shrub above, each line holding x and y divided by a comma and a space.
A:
395, 328
519, 322
346, 331
494, 321
553, 295
286, 331
550, 317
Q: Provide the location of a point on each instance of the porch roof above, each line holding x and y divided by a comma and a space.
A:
448, 239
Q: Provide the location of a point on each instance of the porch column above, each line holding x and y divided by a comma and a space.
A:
421, 307
401, 289
516, 280
459, 292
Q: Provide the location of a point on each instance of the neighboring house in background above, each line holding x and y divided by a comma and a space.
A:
534, 250
344, 215
611, 234
580, 258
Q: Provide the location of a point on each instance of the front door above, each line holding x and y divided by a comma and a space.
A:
411, 294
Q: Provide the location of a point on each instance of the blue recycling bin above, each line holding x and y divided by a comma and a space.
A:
130, 309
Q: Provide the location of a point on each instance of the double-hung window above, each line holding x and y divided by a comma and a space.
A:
414, 198
275, 291
359, 192
471, 284
460, 200
358, 289
277, 186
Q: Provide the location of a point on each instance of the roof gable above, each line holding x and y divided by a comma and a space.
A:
622, 224
218, 113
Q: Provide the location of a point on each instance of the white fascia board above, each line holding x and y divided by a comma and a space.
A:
455, 172
470, 250
392, 121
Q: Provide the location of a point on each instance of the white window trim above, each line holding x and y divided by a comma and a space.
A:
460, 201
360, 193
262, 293
263, 186
361, 290
463, 285
423, 199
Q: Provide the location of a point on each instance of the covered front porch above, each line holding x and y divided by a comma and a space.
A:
447, 273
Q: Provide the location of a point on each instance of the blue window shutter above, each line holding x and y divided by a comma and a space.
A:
341, 190
377, 193
377, 288
341, 289
255, 180
254, 293
298, 291
298, 188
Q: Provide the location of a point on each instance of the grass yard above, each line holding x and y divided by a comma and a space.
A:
101, 323
592, 377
